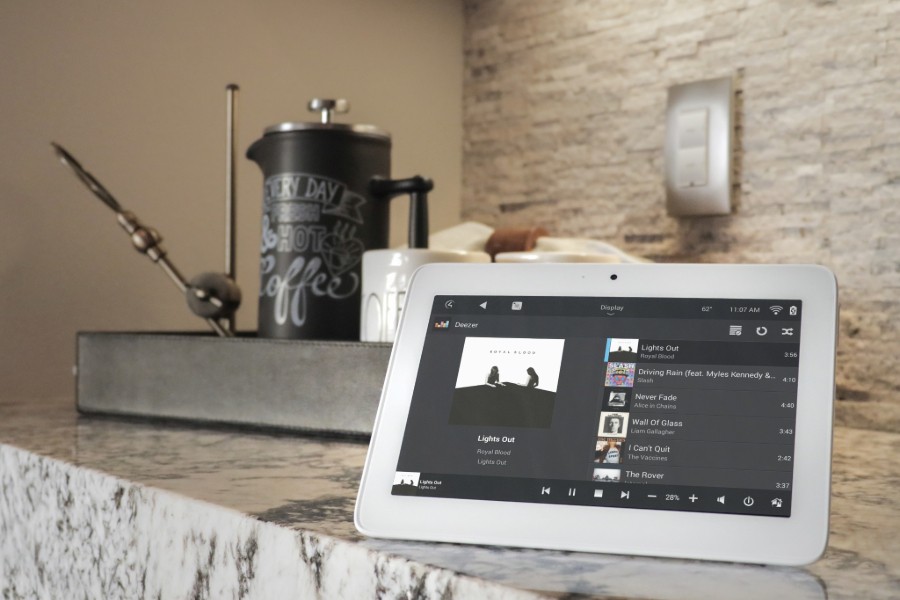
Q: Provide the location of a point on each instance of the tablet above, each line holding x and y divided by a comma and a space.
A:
664, 410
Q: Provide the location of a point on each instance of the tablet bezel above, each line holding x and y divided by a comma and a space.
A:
798, 539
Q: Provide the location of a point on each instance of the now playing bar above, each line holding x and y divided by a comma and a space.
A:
618, 495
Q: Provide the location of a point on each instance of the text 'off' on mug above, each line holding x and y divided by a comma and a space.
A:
385, 279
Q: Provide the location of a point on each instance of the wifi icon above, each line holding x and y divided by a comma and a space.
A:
776, 309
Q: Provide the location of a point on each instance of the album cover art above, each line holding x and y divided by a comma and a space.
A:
613, 424
621, 350
406, 483
618, 399
619, 374
609, 451
507, 382
603, 474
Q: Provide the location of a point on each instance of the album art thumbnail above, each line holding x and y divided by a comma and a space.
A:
609, 451
611, 475
405, 484
507, 382
621, 350
619, 374
613, 424
617, 399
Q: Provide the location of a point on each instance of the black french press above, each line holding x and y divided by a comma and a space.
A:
326, 192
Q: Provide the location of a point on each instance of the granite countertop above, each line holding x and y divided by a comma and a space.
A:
96, 507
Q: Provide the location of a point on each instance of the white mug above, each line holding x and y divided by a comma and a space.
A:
385, 277
555, 257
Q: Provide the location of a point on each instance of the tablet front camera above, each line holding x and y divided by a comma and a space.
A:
613, 276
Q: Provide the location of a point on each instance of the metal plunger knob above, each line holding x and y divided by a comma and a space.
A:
326, 106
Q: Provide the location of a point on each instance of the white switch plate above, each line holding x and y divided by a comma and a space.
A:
699, 134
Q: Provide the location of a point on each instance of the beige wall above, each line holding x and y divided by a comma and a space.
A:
564, 106
136, 91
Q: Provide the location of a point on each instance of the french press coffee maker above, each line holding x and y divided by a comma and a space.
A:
326, 193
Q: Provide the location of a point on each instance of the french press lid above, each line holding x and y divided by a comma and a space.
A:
325, 107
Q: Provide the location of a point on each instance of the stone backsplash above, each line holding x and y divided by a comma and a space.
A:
564, 112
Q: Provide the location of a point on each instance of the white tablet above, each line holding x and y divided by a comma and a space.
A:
667, 410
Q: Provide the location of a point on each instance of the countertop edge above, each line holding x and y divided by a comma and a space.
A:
109, 537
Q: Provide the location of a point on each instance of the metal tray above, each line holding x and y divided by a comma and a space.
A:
311, 386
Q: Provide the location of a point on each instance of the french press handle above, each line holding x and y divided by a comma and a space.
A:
417, 187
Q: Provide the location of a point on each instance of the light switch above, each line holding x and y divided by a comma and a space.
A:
691, 167
692, 128
699, 125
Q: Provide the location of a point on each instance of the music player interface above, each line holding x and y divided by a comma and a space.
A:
667, 404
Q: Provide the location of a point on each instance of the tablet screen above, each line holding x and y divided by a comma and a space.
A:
645, 403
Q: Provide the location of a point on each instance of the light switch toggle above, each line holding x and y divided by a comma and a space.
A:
692, 127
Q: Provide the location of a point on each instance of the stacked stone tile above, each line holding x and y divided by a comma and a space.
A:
564, 111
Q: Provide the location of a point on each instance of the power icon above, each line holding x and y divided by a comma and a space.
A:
748, 501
